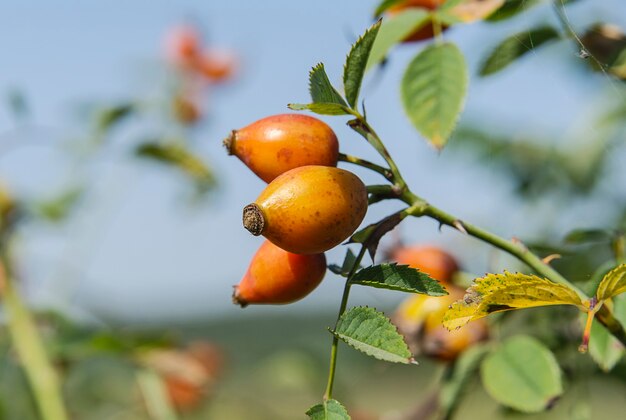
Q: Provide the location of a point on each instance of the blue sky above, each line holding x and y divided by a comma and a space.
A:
135, 252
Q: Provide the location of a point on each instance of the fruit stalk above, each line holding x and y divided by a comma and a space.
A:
342, 308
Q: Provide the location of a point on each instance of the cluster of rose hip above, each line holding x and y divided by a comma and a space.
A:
308, 207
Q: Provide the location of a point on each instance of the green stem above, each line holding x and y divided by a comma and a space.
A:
29, 346
366, 164
419, 207
342, 308
155, 395
361, 126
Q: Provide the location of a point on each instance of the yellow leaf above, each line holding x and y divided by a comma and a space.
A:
612, 284
504, 292
473, 10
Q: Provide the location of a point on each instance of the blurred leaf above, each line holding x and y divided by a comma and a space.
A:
59, 208
384, 5
504, 292
328, 410
155, 395
181, 158
522, 374
467, 11
515, 47
618, 68
354, 69
372, 333
398, 277
18, 105
322, 91
535, 165
605, 42
321, 108
582, 236
511, 8
464, 369
433, 90
346, 267
107, 118
371, 235
393, 30
613, 283
605, 349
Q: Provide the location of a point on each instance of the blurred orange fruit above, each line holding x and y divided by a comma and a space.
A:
432, 260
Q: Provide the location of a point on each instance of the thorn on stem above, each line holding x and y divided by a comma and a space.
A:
459, 226
519, 243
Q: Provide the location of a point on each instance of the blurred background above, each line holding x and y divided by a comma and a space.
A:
129, 237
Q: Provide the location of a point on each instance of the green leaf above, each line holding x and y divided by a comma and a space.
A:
464, 369
18, 105
108, 117
581, 236
467, 11
180, 158
511, 8
59, 207
322, 108
393, 30
515, 47
354, 69
384, 5
605, 349
328, 410
504, 292
433, 90
322, 91
398, 277
522, 374
346, 267
613, 283
372, 333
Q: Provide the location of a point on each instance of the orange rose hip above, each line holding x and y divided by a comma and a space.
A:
309, 209
432, 260
276, 276
276, 144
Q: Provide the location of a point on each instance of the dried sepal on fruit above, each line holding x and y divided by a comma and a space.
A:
276, 276
309, 209
273, 145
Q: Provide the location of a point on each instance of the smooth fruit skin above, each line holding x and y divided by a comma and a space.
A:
432, 260
419, 319
273, 145
308, 210
276, 276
